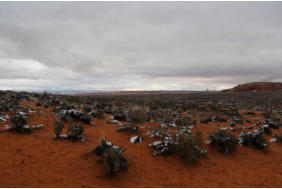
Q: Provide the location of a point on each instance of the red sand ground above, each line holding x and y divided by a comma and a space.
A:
37, 160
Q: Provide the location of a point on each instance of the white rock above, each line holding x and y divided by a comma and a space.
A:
135, 139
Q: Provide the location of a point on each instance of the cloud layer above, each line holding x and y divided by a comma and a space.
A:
139, 45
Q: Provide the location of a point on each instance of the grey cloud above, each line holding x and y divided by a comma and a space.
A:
123, 45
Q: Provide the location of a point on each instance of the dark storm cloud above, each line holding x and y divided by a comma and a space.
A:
139, 45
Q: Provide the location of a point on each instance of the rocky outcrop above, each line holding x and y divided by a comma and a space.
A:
256, 86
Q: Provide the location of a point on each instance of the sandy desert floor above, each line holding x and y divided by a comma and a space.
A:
37, 160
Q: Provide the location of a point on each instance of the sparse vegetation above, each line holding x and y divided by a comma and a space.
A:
75, 131
98, 114
58, 127
254, 139
19, 123
112, 157
189, 146
225, 141
137, 114
170, 123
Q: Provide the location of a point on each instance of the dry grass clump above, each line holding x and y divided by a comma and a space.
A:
112, 157
137, 114
75, 131
225, 141
189, 146
19, 123
254, 139
58, 127
98, 114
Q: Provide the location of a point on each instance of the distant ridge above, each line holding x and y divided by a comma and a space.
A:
132, 92
256, 86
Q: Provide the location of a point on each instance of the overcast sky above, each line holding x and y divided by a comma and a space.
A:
139, 45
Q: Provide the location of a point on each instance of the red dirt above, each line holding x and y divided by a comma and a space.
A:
256, 86
37, 160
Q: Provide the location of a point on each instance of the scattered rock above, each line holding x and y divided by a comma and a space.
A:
136, 139
130, 129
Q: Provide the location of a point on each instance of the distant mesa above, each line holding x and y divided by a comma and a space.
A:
256, 87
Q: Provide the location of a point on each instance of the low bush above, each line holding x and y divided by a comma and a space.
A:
75, 131
225, 141
98, 114
278, 137
80, 116
254, 139
112, 157
86, 109
137, 114
189, 146
58, 127
19, 123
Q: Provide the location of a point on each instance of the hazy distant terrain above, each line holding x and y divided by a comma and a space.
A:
256, 86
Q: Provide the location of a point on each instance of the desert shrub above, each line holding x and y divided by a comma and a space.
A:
168, 119
99, 150
18, 123
137, 114
250, 113
39, 103
160, 132
254, 139
114, 161
86, 108
278, 137
120, 117
18, 120
225, 141
98, 114
75, 131
163, 147
273, 125
80, 116
184, 121
112, 157
58, 127
265, 129
189, 146
219, 119
205, 120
